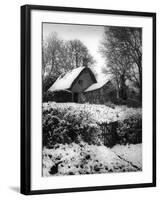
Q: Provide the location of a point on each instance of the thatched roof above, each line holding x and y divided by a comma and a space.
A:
97, 86
65, 82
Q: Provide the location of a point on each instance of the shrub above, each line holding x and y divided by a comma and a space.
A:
47, 96
58, 96
67, 126
47, 82
130, 102
109, 133
135, 103
130, 130
122, 132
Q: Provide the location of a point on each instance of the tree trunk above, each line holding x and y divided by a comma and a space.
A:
140, 76
123, 93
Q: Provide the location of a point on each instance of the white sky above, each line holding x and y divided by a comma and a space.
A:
91, 36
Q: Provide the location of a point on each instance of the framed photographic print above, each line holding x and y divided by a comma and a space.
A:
88, 99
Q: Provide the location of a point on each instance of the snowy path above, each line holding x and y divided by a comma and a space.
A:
111, 158
77, 159
129, 162
131, 153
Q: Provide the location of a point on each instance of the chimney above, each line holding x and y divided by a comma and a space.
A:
85, 62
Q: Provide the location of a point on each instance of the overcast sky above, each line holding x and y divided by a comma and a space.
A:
91, 36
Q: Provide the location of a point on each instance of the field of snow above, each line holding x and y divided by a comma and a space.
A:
101, 113
76, 159
131, 152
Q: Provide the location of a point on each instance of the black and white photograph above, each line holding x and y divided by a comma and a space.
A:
91, 99
88, 99
79, 100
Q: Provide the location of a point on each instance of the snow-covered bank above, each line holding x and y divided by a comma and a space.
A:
75, 159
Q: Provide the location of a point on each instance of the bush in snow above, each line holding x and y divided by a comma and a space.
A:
130, 130
91, 123
47, 96
58, 96
67, 126
109, 133
122, 132
53, 131
101, 113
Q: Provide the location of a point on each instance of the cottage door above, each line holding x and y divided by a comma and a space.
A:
75, 97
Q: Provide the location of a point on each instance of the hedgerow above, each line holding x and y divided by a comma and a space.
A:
130, 130
58, 96
65, 125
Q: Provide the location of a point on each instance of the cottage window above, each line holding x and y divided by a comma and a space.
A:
80, 82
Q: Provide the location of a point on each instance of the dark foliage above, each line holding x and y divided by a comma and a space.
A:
48, 82
47, 96
109, 133
57, 96
130, 130
130, 102
64, 127
122, 49
67, 125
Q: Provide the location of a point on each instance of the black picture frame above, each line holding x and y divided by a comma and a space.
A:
26, 98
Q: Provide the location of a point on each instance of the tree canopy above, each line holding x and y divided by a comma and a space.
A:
122, 50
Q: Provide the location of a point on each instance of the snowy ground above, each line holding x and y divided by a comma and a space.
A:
101, 113
75, 159
132, 153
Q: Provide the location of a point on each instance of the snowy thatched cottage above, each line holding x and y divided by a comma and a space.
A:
80, 85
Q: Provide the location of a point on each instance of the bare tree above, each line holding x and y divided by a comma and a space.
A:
53, 63
59, 56
54, 50
80, 54
122, 49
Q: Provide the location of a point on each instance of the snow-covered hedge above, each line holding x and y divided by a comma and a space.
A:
95, 124
67, 126
101, 113
130, 130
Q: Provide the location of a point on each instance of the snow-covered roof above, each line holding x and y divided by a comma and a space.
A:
65, 82
96, 86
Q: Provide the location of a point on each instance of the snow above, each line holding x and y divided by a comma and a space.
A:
96, 86
75, 159
101, 113
82, 158
65, 82
130, 152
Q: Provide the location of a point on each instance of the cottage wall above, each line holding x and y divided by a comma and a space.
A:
100, 96
83, 82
